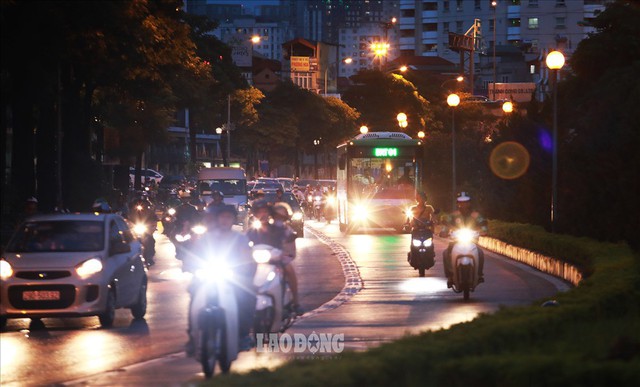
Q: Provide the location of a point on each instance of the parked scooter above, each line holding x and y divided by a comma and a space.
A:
274, 307
214, 316
422, 252
464, 261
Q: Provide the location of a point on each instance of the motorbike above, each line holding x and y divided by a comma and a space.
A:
169, 221
214, 316
183, 240
274, 307
318, 206
422, 253
330, 208
464, 261
144, 229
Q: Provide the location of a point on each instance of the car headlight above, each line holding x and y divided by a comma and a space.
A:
199, 229
297, 216
171, 211
6, 270
261, 256
89, 267
140, 228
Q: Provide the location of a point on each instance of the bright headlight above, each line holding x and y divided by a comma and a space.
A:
408, 212
359, 213
428, 242
297, 216
172, 211
331, 200
464, 235
261, 256
416, 243
140, 228
89, 267
199, 229
256, 224
183, 238
139, 207
5, 269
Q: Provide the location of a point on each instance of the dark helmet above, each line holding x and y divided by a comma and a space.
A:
228, 208
282, 210
100, 205
216, 193
260, 204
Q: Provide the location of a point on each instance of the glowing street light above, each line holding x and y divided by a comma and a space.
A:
555, 61
364, 129
255, 39
507, 107
421, 135
453, 100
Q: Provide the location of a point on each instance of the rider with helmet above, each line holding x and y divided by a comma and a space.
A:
282, 213
236, 250
464, 217
422, 212
274, 234
216, 202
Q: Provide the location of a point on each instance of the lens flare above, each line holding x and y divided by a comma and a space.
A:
509, 160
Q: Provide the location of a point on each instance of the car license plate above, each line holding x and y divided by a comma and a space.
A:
41, 295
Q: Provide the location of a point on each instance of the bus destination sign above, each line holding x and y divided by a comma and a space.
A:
385, 152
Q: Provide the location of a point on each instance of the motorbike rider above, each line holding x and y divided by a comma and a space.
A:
217, 200
422, 212
279, 195
142, 212
100, 205
234, 247
298, 193
196, 201
464, 216
275, 235
281, 216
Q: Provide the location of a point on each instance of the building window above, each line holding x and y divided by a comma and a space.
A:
492, 24
515, 2
408, 13
532, 69
430, 27
533, 23
533, 3
535, 45
445, 27
407, 33
514, 22
458, 5
445, 5
430, 47
561, 23
429, 6
459, 27
477, 5
560, 3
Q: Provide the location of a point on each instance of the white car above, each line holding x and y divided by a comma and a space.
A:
71, 265
145, 175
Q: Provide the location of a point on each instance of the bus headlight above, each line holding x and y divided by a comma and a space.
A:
359, 213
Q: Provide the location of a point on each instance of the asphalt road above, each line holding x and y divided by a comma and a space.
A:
357, 287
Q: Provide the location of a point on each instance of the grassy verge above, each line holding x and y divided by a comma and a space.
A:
591, 338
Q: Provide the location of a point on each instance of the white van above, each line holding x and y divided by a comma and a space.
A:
231, 182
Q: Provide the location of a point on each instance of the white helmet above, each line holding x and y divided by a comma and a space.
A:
463, 197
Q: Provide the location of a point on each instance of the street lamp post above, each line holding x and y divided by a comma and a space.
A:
494, 4
453, 100
402, 120
316, 143
555, 61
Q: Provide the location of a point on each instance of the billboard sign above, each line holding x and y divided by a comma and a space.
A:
517, 92
300, 64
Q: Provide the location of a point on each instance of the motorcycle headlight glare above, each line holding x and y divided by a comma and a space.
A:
6, 270
199, 229
183, 238
297, 216
428, 242
89, 267
465, 235
171, 211
256, 224
140, 228
359, 213
416, 243
261, 256
331, 200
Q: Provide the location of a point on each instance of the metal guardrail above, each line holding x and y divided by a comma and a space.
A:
549, 265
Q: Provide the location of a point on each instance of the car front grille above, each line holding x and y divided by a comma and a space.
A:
67, 297
43, 275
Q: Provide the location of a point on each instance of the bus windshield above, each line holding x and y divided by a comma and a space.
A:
379, 178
